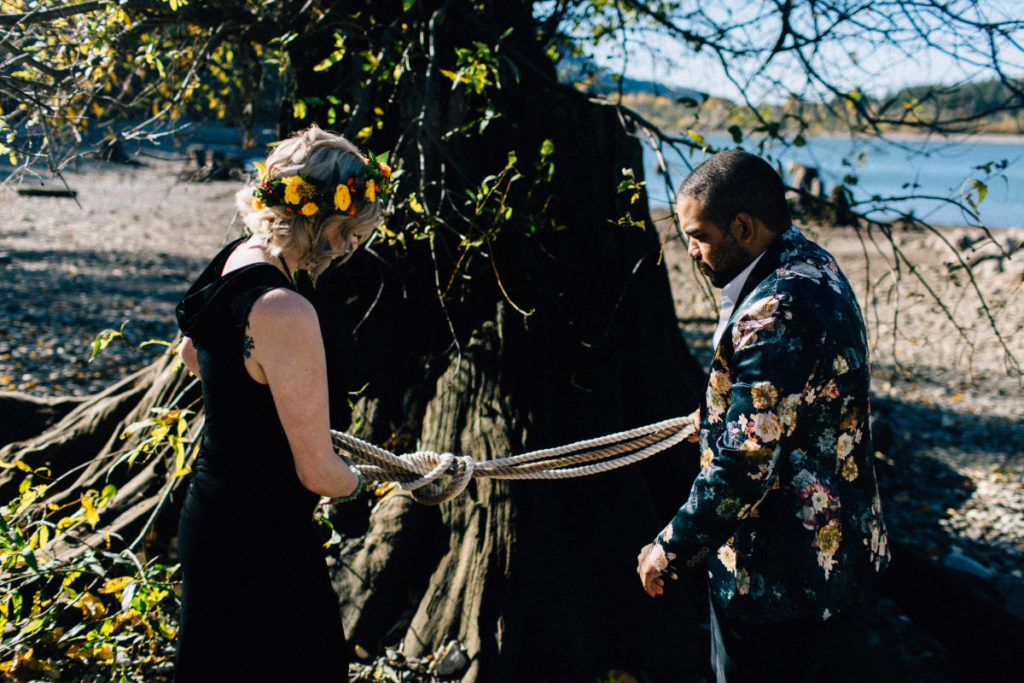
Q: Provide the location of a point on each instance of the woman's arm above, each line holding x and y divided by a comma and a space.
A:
189, 356
289, 352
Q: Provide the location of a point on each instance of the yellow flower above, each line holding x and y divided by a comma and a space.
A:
764, 395
308, 209
727, 556
828, 539
296, 190
371, 191
342, 198
719, 381
257, 205
706, 456
845, 445
261, 170
848, 469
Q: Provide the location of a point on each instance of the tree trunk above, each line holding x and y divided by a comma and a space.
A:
536, 579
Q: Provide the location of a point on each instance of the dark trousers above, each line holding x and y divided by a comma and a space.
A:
790, 652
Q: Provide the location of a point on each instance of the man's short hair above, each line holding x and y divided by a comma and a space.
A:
735, 181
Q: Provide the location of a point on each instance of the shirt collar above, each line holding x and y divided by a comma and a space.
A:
728, 297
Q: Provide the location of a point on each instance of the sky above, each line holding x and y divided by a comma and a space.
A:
858, 57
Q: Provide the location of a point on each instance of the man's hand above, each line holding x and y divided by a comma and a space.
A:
650, 573
694, 420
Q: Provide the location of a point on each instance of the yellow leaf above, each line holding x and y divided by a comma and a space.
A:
415, 205
91, 515
116, 585
91, 606
614, 676
40, 537
166, 631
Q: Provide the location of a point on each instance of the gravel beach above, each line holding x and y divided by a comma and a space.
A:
949, 420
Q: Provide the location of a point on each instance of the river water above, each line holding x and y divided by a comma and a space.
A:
885, 169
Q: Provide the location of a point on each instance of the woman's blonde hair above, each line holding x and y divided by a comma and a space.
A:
318, 156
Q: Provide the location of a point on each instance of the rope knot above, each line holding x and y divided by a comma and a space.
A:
428, 488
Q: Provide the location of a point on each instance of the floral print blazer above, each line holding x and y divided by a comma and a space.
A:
785, 513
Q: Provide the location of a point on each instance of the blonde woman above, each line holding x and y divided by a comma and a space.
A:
257, 603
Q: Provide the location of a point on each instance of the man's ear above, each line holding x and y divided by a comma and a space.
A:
743, 228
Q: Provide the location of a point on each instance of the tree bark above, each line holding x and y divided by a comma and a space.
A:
537, 579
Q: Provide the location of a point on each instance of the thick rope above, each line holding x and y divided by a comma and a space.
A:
433, 478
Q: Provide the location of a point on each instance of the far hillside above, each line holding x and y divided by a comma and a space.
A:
966, 108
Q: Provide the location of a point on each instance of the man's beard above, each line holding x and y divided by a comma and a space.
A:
729, 263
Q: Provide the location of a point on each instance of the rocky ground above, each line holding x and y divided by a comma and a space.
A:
946, 350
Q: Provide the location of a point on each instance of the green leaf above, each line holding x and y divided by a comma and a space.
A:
547, 148
299, 110
33, 626
737, 134
982, 190
102, 341
407, 5
30, 559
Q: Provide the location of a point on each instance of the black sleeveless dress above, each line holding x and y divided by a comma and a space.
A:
257, 602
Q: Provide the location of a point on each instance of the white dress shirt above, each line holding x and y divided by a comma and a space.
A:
728, 297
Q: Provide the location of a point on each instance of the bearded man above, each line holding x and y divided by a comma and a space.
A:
784, 517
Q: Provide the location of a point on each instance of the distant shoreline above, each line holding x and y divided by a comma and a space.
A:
986, 138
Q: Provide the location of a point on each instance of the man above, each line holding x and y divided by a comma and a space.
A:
784, 515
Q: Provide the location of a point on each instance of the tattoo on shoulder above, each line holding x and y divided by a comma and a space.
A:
247, 343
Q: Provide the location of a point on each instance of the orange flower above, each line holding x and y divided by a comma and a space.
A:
342, 198
257, 205
384, 169
308, 209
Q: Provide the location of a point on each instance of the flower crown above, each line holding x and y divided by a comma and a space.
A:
300, 195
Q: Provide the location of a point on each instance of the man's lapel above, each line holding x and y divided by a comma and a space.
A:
771, 260
766, 266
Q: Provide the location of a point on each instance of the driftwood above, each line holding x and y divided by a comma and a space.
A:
47, 191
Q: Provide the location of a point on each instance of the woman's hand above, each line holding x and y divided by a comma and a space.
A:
286, 352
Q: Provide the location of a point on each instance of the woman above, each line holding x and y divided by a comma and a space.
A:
257, 603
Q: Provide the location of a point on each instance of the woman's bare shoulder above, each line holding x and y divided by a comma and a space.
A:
281, 309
